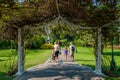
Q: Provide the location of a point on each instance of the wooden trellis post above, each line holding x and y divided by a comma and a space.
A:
20, 52
98, 67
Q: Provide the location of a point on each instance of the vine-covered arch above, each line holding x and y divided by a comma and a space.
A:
48, 12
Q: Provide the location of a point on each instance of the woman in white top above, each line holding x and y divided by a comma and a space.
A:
56, 50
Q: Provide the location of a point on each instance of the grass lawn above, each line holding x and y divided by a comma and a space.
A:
33, 57
85, 56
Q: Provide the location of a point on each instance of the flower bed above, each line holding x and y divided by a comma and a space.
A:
115, 47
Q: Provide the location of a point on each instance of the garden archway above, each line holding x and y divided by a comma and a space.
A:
53, 15
59, 20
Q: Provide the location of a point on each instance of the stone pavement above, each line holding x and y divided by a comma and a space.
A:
62, 70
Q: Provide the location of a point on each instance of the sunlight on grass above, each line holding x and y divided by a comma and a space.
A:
85, 56
34, 57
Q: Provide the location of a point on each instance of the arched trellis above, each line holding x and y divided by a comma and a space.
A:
59, 20
21, 48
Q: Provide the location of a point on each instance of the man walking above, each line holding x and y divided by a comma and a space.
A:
72, 49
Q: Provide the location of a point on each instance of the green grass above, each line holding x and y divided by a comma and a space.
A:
85, 56
107, 57
4, 53
33, 57
111, 78
4, 78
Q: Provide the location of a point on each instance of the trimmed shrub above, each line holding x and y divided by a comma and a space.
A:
47, 46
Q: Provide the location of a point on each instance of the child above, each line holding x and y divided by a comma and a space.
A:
66, 53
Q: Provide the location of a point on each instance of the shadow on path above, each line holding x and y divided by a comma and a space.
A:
59, 71
64, 71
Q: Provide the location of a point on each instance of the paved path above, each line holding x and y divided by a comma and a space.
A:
62, 70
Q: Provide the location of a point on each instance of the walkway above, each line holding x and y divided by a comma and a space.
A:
60, 71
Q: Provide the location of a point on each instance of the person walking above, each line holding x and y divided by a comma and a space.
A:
72, 50
66, 53
56, 50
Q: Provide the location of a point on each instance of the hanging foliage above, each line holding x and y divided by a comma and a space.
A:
75, 11
79, 12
